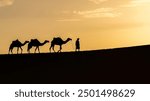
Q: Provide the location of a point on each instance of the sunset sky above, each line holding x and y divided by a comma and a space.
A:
99, 24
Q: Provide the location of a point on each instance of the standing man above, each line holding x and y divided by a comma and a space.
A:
77, 45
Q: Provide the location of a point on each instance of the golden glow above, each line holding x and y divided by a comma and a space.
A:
100, 24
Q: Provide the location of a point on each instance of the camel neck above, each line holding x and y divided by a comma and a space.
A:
43, 43
65, 41
24, 43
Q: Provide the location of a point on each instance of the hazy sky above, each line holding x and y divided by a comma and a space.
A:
99, 23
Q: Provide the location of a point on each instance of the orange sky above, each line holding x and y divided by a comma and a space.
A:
99, 23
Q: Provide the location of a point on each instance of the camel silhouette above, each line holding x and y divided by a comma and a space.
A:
58, 41
36, 43
17, 44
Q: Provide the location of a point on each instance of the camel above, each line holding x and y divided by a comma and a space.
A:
17, 44
36, 43
58, 41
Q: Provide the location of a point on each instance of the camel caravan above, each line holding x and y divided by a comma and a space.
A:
36, 43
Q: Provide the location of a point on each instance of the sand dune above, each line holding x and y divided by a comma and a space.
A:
121, 65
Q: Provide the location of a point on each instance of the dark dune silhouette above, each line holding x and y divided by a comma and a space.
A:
119, 66
58, 41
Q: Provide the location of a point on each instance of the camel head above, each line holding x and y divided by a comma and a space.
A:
46, 41
26, 41
69, 39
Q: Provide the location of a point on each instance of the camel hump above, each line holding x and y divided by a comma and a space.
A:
57, 38
27, 41
16, 40
34, 40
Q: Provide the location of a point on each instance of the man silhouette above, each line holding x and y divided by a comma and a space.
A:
77, 45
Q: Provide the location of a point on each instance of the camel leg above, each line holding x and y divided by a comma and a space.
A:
35, 49
60, 49
11, 51
50, 49
29, 51
29, 47
21, 50
53, 49
38, 49
17, 50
